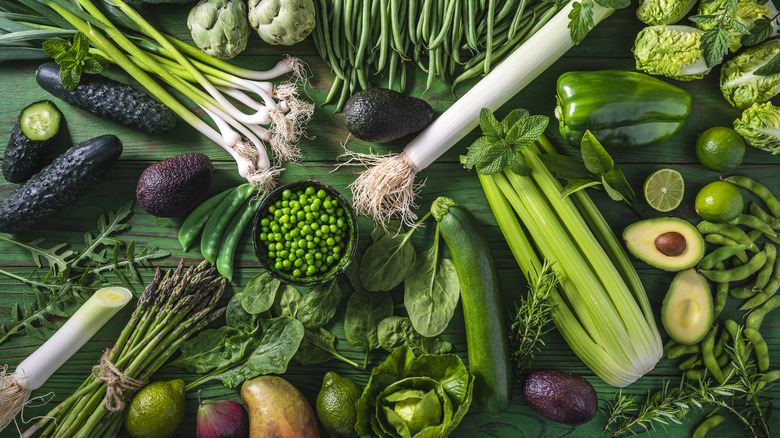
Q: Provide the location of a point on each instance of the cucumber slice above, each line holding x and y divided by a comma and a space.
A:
40, 120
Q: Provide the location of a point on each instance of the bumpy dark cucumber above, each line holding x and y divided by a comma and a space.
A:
37, 124
60, 183
108, 98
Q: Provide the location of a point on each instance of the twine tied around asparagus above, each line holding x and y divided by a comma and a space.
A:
116, 383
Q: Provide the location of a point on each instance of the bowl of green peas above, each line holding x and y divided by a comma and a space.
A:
305, 233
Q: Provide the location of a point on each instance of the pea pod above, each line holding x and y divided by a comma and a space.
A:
733, 232
624, 110
738, 273
755, 223
760, 347
196, 220
217, 222
723, 253
708, 356
759, 190
234, 231
706, 425
756, 317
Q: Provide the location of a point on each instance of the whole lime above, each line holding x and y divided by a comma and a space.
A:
719, 202
336, 405
157, 410
720, 149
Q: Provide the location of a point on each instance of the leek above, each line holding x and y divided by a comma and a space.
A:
601, 308
33, 372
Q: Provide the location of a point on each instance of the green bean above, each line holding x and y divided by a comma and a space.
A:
517, 19
423, 27
489, 41
753, 222
402, 87
505, 10
431, 71
757, 315
456, 34
324, 33
384, 35
682, 349
721, 294
738, 273
762, 279
731, 231
760, 347
708, 356
196, 220
471, 25
719, 255
446, 24
215, 226
411, 22
365, 35
395, 24
336, 16
349, 20
391, 72
706, 425
692, 361
760, 190
760, 213
334, 89
230, 238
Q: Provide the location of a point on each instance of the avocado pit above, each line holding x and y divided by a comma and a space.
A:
671, 244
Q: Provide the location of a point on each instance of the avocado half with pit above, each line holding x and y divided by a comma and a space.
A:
668, 243
686, 313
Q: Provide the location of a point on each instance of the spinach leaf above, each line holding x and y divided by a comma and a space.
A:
287, 302
319, 304
397, 331
206, 351
318, 346
260, 292
238, 318
281, 338
386, 262
364, 311
431, 291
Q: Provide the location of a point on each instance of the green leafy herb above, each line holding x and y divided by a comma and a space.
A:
532, 319
74, 275
395, 332
581, 16
74, 59
431, 291
597, 169
364, 311
502, 143
762, 30
716, 40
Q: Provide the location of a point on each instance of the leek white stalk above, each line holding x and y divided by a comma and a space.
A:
33, 372
387, 189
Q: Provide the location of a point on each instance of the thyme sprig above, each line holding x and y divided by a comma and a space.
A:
532, 319
74, 275
742, 399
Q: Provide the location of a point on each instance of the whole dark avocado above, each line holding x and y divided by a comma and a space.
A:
561, 396
173, 187
380, 115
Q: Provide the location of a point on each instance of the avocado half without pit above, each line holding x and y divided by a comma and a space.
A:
668, 243
686, 313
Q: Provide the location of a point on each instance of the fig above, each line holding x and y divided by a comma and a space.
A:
278, 410
221, 419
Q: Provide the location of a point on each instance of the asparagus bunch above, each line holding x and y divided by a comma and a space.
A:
172, 308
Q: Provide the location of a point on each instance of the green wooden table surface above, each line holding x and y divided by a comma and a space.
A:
608, 47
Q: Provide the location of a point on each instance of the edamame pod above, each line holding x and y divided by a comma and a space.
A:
195, 221
738, 273
691, 362
755, 317
707, 424
682, 349
762, 295
721, 294
765, 274
731, 231
708, 356
719, 255
755, 223
759, 190
217, 222
760, 347
760, 213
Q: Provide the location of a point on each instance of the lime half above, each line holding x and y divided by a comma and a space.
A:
664, 189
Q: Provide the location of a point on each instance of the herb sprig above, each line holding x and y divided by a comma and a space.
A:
715, 41
74, 275
581, 16
74, 59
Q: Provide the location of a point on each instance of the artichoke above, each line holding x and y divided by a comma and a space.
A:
219, 27
283, 22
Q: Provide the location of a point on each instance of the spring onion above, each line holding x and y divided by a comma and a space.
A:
32, 372
601, 308
387, 189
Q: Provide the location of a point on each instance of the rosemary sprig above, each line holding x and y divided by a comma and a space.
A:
532, 319
670, 404
74, 275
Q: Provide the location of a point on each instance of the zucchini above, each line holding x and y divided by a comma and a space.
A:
37, 124
57, 185
485, 316
108, 98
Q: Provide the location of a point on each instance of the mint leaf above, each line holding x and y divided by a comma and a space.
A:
513, 117
595, 157
80, 44
73, 59
714, 45
490, 126
477, 151
55, 48
518, 165
581, 20
69, 78
495, 159
93, 66
527, 130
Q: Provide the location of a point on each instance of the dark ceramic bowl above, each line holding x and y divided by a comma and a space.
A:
350, 247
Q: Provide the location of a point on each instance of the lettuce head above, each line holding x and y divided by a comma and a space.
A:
760, 127
655, 12
671, 51
738, 81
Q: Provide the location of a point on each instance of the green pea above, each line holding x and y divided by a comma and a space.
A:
706, 425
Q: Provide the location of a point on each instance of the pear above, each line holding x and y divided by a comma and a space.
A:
278, 410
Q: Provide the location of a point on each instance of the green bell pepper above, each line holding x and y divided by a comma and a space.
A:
622, 109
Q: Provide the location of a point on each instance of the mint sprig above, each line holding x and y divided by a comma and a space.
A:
502, 143
597, 169
74, 59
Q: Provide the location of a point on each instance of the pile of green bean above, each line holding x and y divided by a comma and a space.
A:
454, 40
